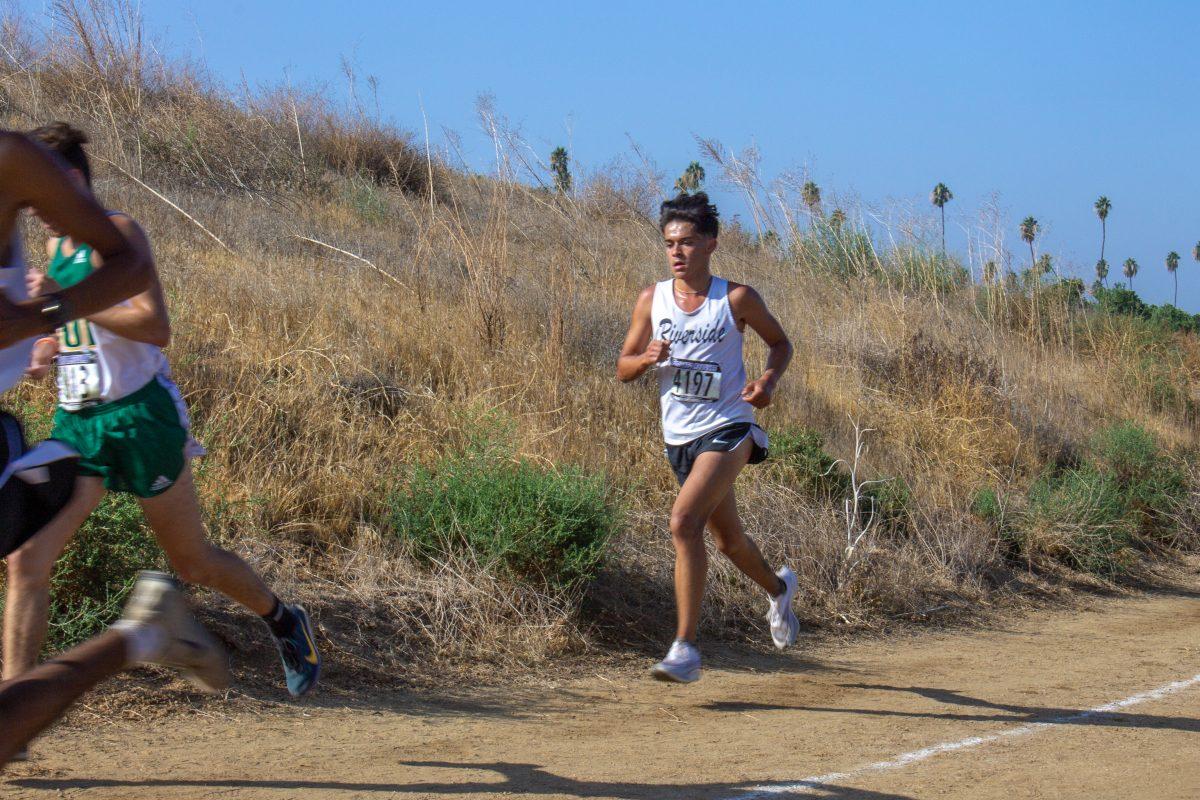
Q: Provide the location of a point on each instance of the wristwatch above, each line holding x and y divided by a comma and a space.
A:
55, 311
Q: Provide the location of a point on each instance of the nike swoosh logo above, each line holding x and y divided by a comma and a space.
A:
311, 657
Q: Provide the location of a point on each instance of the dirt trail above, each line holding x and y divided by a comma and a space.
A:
832, 713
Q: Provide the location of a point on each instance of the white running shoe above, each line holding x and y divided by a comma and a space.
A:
681, 665
784, 624
190, 648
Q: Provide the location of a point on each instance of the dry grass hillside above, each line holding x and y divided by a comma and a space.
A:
362, 328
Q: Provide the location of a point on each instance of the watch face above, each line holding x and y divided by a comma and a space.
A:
53, 311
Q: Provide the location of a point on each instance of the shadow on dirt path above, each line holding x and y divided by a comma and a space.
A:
519, 779
1013, 713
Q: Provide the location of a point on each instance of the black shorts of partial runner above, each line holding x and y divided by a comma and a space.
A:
28, 500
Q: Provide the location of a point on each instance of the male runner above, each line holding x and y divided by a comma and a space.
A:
156, 628
689, 327
119, 409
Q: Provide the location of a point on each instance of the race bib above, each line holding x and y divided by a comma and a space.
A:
78, 379
696, 381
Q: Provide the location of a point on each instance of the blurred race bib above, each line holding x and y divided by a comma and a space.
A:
78, 379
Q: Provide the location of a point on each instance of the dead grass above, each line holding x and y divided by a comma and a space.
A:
315, 381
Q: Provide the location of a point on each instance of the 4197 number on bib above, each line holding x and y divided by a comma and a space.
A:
696, 381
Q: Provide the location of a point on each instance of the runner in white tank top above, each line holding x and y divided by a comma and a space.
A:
689, 328
700, 384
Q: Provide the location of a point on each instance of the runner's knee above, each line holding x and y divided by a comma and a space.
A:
686, 526
199, 568
29, 571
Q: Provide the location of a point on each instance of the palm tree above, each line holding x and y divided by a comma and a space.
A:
559, 165
1102, 271
691, 179
1029, 232
1130, 269
1172, 265
837, 219
941, 195
811, 194
1044, 265
1102, 207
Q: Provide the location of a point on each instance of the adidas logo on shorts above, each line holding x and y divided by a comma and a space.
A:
161, 484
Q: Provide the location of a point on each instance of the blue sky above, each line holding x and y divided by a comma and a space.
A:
1045, 105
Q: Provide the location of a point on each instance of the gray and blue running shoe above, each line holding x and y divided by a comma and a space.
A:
682, 664
298, 649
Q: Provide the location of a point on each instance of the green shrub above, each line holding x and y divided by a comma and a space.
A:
798, 456
1149, 483
1171, 318
37, 418
1119, 300
842, 252
94, 575
1080, 517
890, 499
366, 198
1066, 291
1092, 515
544, 526
988, 506
1125, 302
799, 459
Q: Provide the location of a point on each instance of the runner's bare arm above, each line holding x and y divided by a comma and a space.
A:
750, 309
31, 177
639, 353
144, 318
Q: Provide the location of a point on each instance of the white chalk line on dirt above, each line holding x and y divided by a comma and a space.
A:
817, 782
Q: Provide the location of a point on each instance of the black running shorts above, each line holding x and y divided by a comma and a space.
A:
25, 506
722, 440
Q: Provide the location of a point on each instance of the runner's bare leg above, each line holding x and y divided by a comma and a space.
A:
731, 539
710, 480
175, 518
27, 601
31, 703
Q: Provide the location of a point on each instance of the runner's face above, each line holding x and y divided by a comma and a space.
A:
688, 250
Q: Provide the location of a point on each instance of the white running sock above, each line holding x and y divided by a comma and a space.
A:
144, 642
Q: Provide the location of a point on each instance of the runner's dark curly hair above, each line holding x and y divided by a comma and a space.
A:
68, 141
693, 208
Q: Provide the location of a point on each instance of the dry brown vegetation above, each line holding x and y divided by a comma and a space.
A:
347, 305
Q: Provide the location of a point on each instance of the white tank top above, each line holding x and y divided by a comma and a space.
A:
98, 366
14, 359
700, 384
